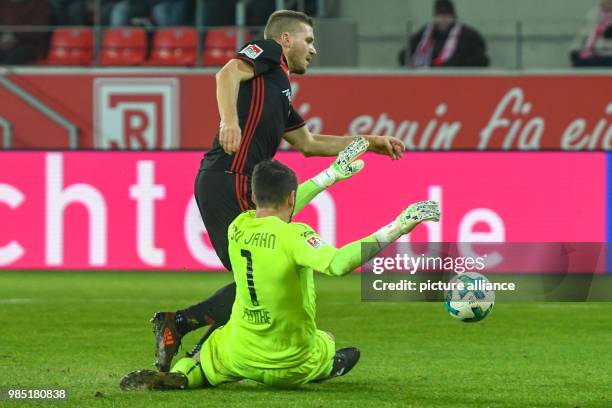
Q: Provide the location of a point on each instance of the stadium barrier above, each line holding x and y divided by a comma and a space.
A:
176, 109
135, 210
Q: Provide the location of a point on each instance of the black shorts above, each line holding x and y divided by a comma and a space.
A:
221, 197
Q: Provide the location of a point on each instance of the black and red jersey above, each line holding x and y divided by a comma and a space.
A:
265, 112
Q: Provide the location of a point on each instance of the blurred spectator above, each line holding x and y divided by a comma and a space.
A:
258, 11
219, 13
446, 42
593, 45
163, 13
81, 12
18, 47
168, 13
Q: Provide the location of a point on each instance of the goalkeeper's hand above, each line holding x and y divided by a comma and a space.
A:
416, 214
345, 166
408, 220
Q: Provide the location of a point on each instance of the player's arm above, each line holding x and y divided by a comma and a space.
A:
328, 145
309, 250
228, 83
345, 166
349, 257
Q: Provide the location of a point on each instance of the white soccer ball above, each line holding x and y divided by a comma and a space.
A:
472, 303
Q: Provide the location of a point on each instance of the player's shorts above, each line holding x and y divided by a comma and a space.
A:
221, 197
220, 366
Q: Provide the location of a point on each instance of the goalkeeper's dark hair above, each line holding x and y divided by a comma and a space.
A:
272, 183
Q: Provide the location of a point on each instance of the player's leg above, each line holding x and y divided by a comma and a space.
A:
218, 210
186, 373
217, 359
153, 380
170, 327
343, 361
191, 368
218, 308
319, 365
198, 346
218, 202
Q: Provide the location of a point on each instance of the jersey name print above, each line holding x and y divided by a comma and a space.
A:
256, 316
260, 239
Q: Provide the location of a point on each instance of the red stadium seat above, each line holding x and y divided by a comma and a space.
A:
174, 46
220, 45
71, 46
124, 46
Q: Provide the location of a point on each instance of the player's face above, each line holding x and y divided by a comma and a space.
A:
301, 49
443, 22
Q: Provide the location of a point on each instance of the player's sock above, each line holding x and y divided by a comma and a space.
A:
215, 309
191, 369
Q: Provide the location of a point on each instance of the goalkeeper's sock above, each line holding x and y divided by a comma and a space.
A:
215, 309
191, 369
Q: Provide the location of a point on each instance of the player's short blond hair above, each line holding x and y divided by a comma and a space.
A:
282, 21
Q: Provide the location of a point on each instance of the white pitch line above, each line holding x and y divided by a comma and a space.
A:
16, 300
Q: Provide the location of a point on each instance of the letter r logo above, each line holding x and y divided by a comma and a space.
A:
136, 113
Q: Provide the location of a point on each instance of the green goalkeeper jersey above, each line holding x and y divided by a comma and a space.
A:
273, 317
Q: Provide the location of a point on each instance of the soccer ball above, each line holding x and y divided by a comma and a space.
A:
472, 303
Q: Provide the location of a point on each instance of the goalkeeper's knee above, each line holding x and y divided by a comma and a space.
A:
191, 369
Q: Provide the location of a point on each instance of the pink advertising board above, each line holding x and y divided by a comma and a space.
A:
135, 211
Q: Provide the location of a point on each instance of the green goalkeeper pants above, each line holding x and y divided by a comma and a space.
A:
220, 366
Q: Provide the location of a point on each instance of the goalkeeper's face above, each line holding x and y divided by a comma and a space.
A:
300, 50
286, 207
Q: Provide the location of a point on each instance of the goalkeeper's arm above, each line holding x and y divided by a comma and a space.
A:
344, 167
349, 257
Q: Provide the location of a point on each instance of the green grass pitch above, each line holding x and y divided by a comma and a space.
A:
83, 331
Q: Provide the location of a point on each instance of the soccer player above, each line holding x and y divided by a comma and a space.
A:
271, 336
254, 102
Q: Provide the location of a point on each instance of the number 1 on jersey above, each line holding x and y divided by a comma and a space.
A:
247, 254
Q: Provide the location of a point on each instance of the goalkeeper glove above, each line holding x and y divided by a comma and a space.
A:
345, 165
408, 220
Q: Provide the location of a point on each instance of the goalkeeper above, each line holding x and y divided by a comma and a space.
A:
271, 336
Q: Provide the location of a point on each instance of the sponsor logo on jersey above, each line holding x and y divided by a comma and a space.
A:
315, 242
252, 51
